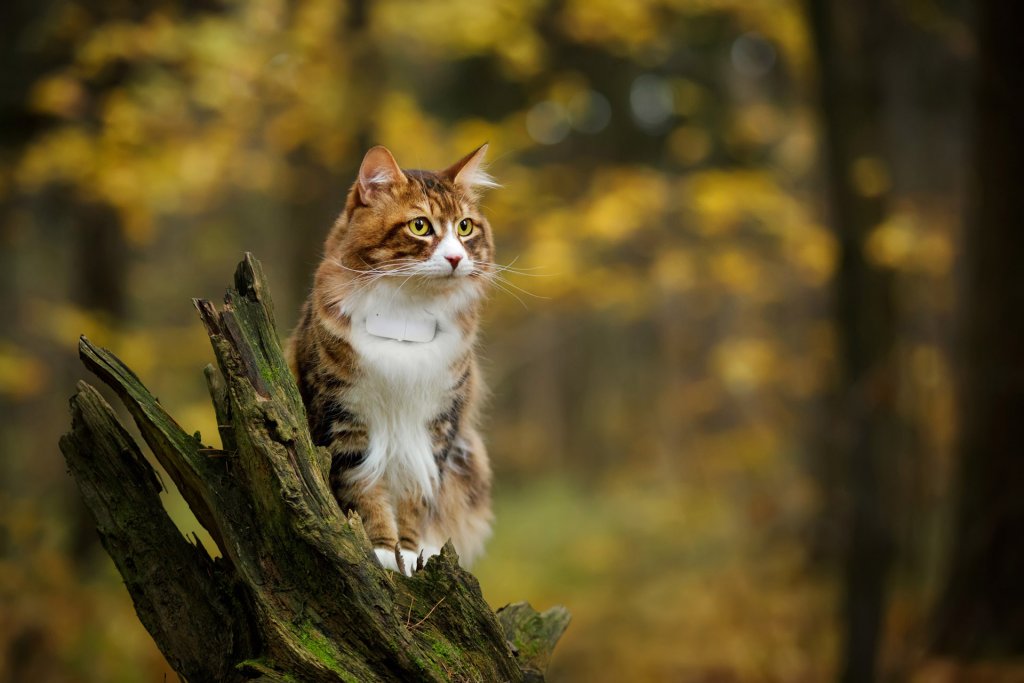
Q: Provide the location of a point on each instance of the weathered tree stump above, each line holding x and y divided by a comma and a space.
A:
297, 594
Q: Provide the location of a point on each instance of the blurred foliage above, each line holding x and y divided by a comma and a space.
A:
659, 368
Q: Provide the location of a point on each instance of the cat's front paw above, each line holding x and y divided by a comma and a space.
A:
390, 557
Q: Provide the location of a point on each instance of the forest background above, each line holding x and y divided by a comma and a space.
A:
742, 390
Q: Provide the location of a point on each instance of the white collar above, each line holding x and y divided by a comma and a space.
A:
412, 327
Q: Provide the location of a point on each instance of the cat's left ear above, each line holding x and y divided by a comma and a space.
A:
469, 171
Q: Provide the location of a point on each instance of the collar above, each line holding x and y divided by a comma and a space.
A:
412, 327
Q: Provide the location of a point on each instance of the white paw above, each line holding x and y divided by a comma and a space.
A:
386, 556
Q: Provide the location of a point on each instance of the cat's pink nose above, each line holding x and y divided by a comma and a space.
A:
454, 260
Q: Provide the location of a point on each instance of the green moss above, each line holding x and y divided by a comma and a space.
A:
446, 650
266, 669
450, 659
317, 645
530, 649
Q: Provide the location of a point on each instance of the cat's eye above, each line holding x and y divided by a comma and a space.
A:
466, 227
420, 226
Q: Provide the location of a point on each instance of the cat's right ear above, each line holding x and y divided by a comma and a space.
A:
378, 171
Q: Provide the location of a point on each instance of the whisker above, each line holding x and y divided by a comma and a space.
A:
363, 280
494, 278
510, 293
395, 293
368, 277
508, 268
516, 271
378, 268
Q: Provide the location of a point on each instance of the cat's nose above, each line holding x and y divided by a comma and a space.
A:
454, 260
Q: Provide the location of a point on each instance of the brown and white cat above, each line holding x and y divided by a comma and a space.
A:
384, 356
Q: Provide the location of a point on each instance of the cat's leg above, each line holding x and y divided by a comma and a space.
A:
412, 512
463, 506
347, 438
373, 503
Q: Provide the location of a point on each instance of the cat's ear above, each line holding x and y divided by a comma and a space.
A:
378, 171
469, 171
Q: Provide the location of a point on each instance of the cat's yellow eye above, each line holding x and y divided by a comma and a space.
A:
419, 226
466, 227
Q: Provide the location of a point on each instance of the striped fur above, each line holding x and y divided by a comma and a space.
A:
399, 418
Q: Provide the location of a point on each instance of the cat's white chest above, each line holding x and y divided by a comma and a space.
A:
402, 384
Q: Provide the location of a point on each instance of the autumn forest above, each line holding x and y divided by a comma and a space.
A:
755, 378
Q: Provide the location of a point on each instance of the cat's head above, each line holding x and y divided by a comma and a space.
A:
423, 225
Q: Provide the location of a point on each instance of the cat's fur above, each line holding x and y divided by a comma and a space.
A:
399, 417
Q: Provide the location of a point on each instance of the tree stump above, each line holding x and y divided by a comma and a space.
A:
297, 594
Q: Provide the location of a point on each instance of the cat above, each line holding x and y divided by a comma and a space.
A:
385, 362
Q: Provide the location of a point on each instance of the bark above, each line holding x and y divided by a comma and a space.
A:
981, 611
297, 594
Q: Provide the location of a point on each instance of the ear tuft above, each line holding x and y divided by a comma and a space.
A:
378, 171
469, 171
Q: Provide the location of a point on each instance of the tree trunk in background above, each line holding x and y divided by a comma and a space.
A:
849, 42
981, 612
17, 122
99, 285
10, 407
98, 280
